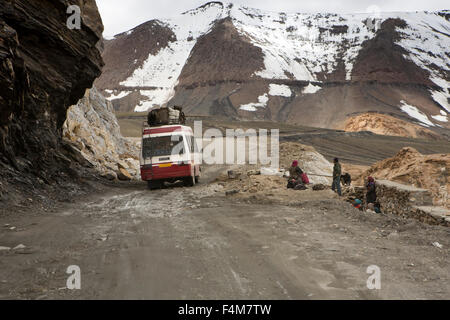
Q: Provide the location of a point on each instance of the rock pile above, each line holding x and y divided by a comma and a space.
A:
319, 169
410, 167
270, 189
318, 187
406, 201
267, 184
92, 129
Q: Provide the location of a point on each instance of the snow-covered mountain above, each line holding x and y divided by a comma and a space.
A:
317, 69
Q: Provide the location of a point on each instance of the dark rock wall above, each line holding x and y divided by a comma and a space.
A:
45, 67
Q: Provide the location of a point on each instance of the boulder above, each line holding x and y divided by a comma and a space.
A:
319, 186
133, 163
253, 173
233, 174
110, 175
122, 164
231, 192
124, 175
92, 126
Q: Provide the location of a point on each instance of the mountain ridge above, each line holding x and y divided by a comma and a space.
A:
220, 55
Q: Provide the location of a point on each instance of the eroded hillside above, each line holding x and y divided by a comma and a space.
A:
311, 69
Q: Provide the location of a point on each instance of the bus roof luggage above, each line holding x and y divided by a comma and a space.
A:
166, 116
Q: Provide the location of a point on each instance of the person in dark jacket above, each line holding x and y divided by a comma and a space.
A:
346, 179
337, 171
371, 191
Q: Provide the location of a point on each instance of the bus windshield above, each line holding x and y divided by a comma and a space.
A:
162, 146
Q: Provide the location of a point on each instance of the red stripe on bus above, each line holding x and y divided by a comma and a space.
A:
162, 130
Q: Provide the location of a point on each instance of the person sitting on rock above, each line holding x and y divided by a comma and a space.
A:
371, 192
294, 171
295, 175
346, 179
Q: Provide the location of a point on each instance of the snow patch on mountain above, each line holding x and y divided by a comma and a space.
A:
119, 95
155, 98
441, 98
281, 90
310, 88
440, 118
415, 113
262, 103
298, 46
163, 69
301, 46
427, 42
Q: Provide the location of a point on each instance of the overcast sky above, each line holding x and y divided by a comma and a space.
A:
119, 15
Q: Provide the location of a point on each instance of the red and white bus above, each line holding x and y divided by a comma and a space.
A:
169, 153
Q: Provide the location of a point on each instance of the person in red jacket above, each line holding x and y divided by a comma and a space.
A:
295, 175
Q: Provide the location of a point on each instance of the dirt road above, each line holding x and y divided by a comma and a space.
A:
196, 243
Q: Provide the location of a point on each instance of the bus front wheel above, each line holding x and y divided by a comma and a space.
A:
189, 181
154, 184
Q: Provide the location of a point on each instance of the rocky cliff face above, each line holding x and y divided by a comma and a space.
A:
93, 132
312, 69
45, 68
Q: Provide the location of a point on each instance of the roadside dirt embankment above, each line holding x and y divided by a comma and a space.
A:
410, 167
262, 185
420, 194
405, 201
